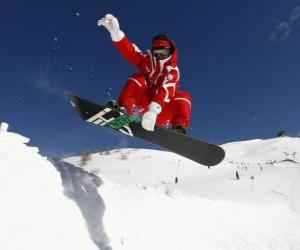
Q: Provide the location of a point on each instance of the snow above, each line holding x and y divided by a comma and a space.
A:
127, 199
277, 149
3, 127
208, 208
34, 213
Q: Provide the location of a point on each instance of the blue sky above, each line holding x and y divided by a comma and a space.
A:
239, 59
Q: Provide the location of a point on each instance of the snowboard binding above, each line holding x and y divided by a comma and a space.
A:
113, 104
180, 129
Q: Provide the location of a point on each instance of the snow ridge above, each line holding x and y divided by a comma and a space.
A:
34, 212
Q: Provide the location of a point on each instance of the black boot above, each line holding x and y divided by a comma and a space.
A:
180, 129
115, 106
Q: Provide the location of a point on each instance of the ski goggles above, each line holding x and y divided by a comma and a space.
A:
161, 52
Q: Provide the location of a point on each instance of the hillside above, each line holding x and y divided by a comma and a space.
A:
127, 199
240, 210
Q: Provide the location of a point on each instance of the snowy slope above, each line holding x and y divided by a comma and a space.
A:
262, 151
127, 199
208, 208
34, 213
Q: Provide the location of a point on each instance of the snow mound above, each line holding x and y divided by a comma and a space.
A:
34, 213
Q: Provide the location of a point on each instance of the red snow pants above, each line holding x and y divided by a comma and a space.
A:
137, 95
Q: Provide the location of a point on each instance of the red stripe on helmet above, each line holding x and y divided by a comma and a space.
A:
161, 43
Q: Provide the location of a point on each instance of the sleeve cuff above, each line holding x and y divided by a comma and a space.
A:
117, 37
155, 108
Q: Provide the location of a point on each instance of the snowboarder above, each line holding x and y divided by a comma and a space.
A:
154, 90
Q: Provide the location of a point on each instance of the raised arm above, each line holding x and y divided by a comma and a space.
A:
125, 47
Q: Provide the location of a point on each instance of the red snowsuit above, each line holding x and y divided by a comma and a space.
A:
158, 81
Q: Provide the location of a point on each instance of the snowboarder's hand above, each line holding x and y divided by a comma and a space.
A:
112, 25
149, 117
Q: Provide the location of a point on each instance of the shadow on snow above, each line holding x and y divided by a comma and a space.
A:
81, 187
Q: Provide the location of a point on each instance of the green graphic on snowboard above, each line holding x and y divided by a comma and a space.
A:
122, 121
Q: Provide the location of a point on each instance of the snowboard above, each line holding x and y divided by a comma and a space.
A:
194, 149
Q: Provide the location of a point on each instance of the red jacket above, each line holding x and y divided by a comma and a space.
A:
162, 76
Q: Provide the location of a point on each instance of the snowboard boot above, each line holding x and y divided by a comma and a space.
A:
180, 129
115, 106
